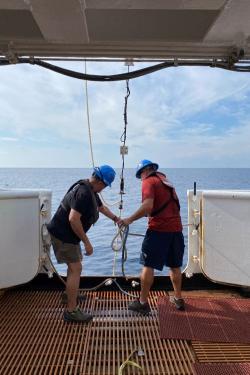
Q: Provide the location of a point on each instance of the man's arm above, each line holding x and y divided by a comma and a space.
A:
144, 210
106, 211
76, 225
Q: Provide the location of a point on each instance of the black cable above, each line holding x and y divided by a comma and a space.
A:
124, 250
123, 140
228, 65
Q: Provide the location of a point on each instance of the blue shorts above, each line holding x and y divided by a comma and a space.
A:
161, 249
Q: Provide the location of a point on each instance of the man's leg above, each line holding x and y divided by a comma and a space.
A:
141, 306
176, 278
72, 284
147, 279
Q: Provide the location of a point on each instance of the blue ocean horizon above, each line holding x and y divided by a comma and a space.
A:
101, 234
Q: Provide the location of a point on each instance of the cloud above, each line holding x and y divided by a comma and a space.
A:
178, 116
8, 139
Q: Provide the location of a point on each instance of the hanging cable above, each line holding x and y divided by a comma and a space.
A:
88, 121
124, 250
90, 138
123, 151
120, 236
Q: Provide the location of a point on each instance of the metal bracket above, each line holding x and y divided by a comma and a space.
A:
11, 55
236, 55
129, 62
124, 150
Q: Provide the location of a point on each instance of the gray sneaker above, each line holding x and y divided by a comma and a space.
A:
141, 308
77, 316
178, 302
80, 298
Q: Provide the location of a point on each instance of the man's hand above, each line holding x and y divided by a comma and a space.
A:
124, 222
144, 210
88, 248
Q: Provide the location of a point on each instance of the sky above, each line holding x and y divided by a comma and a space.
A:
181, 117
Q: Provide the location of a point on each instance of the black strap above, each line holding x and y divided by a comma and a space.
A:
79, 182
156, 212
65, 203
172, 198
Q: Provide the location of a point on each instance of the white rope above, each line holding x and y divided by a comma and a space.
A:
106, 282
117, 242
106, 203
88, 121
110, 204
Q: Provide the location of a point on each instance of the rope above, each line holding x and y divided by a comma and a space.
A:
90, 138
46, 248
88, 121
106, 282
129, 362
122, 236
123, 140
114, 244
124, 250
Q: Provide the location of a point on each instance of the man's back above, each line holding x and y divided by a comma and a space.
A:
168, 219
80, 200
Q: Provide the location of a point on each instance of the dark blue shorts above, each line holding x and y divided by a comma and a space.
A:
161, 249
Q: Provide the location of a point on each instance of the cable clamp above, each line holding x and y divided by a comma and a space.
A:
11, 55
129, 62
32, 60
123, 150
176, 63
213, 65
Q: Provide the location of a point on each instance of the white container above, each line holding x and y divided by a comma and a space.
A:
219, 236
22, 215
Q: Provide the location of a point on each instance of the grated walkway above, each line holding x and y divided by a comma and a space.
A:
35, 339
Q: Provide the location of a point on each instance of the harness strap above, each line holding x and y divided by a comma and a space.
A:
76, 185
156, 212
172, 198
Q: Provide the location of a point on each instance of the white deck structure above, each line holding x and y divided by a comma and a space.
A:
22, 215
219, 235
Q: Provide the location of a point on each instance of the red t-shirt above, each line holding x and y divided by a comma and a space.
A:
168, 220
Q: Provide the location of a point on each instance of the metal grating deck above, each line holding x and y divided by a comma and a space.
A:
208, 352
35, 340
222, 369
206, 319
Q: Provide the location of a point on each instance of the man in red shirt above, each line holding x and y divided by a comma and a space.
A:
163, 244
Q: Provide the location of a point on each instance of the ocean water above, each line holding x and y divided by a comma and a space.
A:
101, 234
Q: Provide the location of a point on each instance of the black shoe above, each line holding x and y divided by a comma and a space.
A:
178, 302
77, 316
80, 298
137, 306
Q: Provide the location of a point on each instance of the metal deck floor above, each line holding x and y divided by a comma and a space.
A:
36, 340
